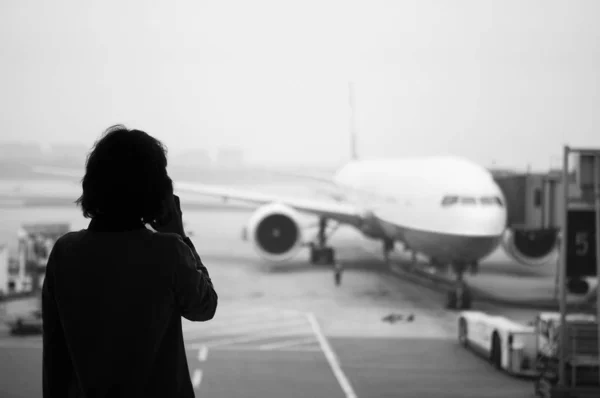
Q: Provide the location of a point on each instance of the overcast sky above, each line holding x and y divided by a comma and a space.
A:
508, 81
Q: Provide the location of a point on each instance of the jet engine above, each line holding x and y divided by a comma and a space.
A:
531, 247
275, 232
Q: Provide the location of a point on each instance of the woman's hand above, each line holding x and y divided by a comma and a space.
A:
173, 222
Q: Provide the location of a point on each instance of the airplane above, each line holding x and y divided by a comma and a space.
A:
447, 208
444, 207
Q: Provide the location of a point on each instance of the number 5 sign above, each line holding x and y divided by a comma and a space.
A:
581, 243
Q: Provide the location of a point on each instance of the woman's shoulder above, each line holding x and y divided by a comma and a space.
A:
67, 242
159, 241
70, 238
167, 239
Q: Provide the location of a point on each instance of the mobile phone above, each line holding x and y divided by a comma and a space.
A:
167, 215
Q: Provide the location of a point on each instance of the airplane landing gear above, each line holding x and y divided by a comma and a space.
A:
413, 260
460, 297
388, 246
320, 253
474, 268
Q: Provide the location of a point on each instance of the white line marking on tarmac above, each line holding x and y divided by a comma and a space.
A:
229, 315
254, 348
331, 358
301, 325
249, 329
244, 339
287, 343
202, 353
197, 378
243, 320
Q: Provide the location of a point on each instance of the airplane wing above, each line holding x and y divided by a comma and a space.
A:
341, 212
58, 171
322, 178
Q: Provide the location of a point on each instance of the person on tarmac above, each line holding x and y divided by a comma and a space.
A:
114, 293
338, 269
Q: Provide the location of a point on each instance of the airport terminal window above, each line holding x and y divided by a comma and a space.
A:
449, 200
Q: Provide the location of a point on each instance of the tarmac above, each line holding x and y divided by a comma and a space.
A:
286, 330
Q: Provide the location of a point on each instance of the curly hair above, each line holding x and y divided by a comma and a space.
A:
126, 176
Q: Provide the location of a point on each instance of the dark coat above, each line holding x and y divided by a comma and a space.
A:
112, 302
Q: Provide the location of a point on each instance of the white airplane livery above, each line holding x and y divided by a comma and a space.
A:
444, 207
447, 208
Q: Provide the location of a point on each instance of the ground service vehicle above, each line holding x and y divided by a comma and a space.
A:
20, 306
534, 349
509, 345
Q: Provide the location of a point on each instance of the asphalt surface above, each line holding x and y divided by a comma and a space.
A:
288, 331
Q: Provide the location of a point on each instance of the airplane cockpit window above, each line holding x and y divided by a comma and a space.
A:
470, 200
491, 200
449, 200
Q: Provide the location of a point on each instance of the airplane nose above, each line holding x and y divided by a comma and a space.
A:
466, 249
483, 232
487, 222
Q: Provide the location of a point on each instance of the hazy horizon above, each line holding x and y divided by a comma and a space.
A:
505, 83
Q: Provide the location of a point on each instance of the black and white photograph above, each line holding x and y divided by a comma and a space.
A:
299, 199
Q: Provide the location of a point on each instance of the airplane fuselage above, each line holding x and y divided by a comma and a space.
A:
447, 208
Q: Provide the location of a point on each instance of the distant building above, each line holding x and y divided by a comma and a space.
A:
230, 158
196, 158
20, 151
67, 154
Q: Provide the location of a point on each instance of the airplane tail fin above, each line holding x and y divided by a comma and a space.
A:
353, 152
